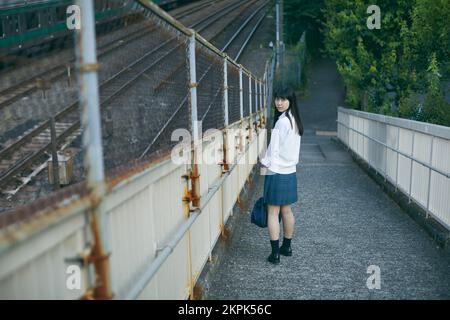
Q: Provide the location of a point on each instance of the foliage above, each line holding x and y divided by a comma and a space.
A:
300, 16
382, 68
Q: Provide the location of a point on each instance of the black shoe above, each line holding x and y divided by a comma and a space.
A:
274, 258
286, 251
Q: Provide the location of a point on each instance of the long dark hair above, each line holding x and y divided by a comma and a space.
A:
286, 92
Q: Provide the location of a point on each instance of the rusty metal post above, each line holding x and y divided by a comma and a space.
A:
195, 192
250, 126
186, 210
241, 103
55, 162
92, 143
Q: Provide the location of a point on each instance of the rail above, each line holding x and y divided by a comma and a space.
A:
411, 155
158, 220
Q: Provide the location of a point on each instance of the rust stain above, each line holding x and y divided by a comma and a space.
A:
195, 197
100, 259
197, 293
225, 151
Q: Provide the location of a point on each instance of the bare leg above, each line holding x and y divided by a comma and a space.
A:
272, 222
288, 221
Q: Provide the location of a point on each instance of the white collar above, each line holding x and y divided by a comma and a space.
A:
284, 114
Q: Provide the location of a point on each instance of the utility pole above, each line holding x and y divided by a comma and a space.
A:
280, 42
282, 30
277, 27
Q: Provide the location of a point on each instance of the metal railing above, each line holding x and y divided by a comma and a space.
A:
412, 155
148, 230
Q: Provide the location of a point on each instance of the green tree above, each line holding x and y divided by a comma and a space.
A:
436, 110
391, 66
303, 15
431, 29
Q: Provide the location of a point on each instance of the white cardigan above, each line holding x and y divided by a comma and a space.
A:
283, 152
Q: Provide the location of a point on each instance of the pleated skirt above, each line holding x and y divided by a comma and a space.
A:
280, 189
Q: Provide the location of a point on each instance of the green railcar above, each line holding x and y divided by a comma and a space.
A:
29, 27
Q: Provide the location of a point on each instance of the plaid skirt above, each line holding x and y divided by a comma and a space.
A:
280, 189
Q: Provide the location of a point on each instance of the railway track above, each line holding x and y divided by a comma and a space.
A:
246, 25
26, 155
19, 90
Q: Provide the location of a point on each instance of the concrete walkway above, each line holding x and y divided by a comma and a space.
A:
344, 224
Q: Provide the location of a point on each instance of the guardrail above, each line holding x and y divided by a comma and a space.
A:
413, 156
148, 233
158, 243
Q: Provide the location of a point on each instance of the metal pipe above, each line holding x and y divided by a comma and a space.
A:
429, 178
92, 142
225, 89
194, 121
261, 92
55, 162
250, 106
256, 96
241, 93
187, 213
250, 101
277, 30
398, 148
257, 104
225, 103
411, 169
241, 103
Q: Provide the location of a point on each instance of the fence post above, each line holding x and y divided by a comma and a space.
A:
278, 30
241, 103
92, 142
250, 107
225, 106
194, 122
256, 95
55, 161
193, 194
411, 169
261, 99
397, 150
429, 178
265, 98
256, 105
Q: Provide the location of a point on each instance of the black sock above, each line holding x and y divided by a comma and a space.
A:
286, 243
275, 246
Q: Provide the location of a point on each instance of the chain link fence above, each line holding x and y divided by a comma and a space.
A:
144, 92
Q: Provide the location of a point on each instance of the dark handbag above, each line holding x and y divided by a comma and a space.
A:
259, 213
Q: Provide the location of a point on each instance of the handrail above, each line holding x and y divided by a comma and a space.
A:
398, 151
